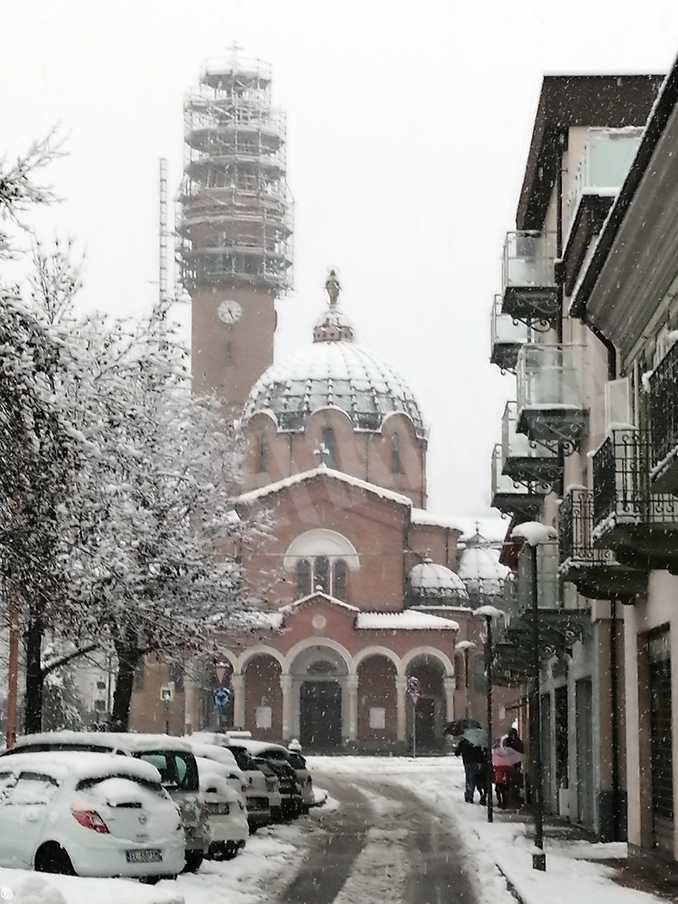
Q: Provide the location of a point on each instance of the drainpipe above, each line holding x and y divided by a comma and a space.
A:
614, 727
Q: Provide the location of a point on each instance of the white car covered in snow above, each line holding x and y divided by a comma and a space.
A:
88, 815
226, 809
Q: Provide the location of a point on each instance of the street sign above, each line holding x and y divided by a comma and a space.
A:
166, 693
222, 697
413, 689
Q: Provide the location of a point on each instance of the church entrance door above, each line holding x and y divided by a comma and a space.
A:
426, 717
320, 715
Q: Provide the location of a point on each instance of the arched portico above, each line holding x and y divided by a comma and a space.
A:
435, 706
319, 684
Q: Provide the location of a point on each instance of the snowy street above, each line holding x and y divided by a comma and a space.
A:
393, 828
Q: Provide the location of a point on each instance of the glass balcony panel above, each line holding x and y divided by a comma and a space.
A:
605, 162
501, 484
550, 376
506, 330
528, 259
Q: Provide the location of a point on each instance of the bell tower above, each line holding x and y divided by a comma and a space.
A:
235, 225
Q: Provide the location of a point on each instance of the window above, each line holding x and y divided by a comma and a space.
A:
262, 453
340, 579
101, 685
33, 788
304, 585
321, 574
100, 706
396, 465
330, 447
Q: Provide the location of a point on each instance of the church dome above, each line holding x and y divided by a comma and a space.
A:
480, 568
335, 372
429, 581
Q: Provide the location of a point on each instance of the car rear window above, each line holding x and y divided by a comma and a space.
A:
86, 784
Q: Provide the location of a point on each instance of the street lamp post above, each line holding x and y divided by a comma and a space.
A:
539, 859
465, 646
534, 534
489, 613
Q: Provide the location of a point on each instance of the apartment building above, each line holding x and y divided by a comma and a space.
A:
628, 296
586, 134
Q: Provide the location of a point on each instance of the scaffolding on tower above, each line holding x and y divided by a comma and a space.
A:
235, 227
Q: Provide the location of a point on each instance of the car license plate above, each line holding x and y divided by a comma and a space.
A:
149, 855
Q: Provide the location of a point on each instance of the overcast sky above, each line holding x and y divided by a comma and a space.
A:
408, 126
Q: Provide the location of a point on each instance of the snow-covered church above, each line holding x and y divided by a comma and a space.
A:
363, 587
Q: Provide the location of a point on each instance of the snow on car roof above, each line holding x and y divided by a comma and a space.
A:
128, 741
76, 763
214, 753
257, 747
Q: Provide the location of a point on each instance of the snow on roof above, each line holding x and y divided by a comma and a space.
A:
321, 471
255, 618
290, 607
534, 533
106, 740
422, 516
408, 620
62, 763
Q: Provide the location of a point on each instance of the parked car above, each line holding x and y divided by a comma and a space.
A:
290, 792
264, 804
227, 812
298, 763
278, 756
88, 814
172, 757
222, 755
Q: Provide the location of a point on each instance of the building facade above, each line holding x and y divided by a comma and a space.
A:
586, 136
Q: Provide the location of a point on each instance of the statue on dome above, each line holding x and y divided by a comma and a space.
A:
333, 287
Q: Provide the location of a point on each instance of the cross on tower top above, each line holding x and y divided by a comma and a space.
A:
323, 454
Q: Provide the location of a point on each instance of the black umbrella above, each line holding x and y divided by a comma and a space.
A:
459, 726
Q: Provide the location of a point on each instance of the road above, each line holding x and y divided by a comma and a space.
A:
383, 842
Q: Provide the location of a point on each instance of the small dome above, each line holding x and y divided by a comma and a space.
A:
429, 581
480, 569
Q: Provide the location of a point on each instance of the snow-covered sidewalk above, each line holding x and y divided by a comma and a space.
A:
501, 852
574, 872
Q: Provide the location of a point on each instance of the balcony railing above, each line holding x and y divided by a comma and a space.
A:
627, 513
508, 335
595, 571
664, 422
605, 162
528, 276
525, 460
507, 494
550, 392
